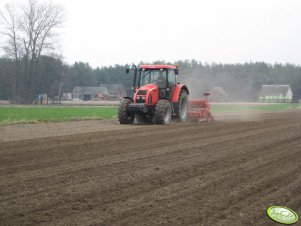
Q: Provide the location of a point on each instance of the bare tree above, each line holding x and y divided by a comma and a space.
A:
31, 31
12, 47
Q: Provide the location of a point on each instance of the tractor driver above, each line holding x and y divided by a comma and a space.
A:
161, 81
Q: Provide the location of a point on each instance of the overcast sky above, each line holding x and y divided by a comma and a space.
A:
112, 32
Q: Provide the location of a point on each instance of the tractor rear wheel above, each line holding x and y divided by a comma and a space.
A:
163, 112
181, 111
123, 115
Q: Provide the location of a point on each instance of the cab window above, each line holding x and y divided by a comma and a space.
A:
171, 78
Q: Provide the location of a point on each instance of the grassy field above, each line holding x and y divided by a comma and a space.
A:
10, 115
248, 108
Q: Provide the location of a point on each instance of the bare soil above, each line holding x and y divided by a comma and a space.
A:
223, 173
38, 130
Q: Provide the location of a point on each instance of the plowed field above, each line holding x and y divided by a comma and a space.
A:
224, 173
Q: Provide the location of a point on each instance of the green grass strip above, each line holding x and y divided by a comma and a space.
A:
250, 108
9, 115
12, 115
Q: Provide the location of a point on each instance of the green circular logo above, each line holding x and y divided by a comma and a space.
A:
282, 214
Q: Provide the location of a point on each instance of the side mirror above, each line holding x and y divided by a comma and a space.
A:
177, 71
128, 68
206, 94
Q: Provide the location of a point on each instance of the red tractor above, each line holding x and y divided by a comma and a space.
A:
157, 96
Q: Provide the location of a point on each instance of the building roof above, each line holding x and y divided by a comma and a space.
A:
90, 90
113, 88
274, 90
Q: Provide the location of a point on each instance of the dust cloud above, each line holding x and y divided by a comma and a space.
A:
222, 87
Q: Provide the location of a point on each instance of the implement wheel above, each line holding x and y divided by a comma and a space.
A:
210, 117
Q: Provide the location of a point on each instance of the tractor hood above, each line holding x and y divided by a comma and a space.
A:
149, 87
147, 94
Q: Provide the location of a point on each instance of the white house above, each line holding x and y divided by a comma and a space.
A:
276, 94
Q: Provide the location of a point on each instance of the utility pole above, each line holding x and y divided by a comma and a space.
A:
58, 98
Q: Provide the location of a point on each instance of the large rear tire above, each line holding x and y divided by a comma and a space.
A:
123, 115
163, 112
181, 111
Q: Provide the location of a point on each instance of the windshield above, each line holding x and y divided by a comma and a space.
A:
153, 76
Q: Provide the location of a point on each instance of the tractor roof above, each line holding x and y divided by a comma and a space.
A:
157, 66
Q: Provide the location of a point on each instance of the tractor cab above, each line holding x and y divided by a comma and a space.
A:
164, 76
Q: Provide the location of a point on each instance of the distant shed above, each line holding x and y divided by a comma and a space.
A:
90, 93
275, 94
116, 91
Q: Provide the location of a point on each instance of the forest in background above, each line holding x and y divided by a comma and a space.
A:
242, 82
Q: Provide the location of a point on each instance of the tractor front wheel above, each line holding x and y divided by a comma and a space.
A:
123, 115
163, 112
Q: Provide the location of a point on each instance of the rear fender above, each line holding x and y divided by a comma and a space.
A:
176, 92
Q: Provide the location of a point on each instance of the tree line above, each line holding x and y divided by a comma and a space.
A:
242, 82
